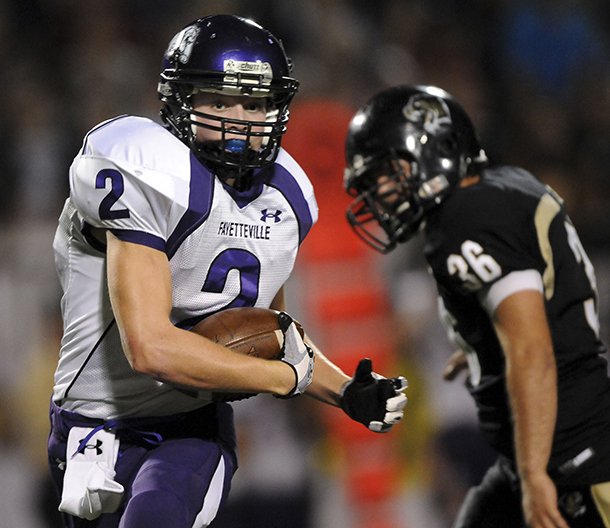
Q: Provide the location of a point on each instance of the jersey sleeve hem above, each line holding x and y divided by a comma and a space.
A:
513, 282
140, 237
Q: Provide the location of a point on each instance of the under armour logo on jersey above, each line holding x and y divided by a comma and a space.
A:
267, 215
97, 446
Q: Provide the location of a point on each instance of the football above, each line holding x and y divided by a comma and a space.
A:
249, 331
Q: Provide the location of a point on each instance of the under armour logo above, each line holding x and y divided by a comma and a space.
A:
275, 215
97, 446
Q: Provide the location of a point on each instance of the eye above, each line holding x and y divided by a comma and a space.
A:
255, 106
218, 105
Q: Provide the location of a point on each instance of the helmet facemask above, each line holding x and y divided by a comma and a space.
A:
387, 208
231, 156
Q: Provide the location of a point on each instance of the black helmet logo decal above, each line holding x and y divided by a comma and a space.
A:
428, 113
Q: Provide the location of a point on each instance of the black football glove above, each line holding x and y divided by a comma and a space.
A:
373, 400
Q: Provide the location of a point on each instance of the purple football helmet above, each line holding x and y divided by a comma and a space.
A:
234, 56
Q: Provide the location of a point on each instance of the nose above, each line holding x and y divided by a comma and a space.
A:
385, 185
388, 191
238, 112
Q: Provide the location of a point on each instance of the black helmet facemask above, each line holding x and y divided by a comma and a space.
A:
387, 209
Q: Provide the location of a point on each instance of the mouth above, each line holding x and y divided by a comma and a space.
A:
236, 146
403, 207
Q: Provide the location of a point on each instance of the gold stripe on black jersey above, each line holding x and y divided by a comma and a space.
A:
545, 213
601, 496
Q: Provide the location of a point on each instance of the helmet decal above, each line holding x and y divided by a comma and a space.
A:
429, 113
235, 67
181, 46
258, 67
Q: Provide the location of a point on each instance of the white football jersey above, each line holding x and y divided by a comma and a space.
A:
225, 249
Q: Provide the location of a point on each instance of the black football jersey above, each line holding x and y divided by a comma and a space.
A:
511, 222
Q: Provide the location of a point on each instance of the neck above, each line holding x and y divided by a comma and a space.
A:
470, 180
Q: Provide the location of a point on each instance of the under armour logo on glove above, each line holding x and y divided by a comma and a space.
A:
373, 400
89, 487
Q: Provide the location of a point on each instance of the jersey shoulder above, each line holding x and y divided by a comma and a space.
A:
285, 160
492, 224
502, 191
133, 140
131, 174
501, 203
293, 181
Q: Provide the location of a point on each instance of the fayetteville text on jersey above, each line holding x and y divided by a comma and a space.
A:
238, 230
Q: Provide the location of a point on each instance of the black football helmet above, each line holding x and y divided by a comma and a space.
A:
234, 56
424, 126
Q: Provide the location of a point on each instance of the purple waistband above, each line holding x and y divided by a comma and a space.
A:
213, 421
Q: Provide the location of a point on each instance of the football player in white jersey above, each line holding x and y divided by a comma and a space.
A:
164, 226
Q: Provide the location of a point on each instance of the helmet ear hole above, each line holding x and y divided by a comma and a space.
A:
448, 146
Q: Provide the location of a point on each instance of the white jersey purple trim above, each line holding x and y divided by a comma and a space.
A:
225, 249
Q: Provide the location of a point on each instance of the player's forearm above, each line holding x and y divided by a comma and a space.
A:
532, 386
185, 359
328, 379
531, 377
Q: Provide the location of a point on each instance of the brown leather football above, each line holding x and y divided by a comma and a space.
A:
249, 331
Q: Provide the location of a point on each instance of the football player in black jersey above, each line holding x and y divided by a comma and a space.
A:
518, 296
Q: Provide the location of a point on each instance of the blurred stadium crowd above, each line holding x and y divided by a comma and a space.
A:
533, 74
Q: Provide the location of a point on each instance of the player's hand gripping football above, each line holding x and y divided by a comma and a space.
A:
297, 354
373, 400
